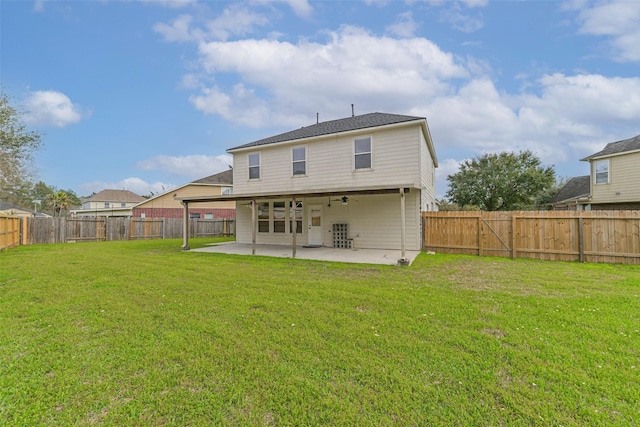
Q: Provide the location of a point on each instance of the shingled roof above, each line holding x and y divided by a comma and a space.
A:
575, 188
612, 148
225, 177
116, 196
334, 126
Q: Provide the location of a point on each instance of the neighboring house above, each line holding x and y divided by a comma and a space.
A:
359, 182
109, 203
572, 196
165, 205
614, 178
13, 210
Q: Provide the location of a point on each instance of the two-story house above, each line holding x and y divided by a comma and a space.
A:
109, 203
358, 182
612, 182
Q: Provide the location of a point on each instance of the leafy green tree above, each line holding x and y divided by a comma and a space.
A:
445, 205
41, 191
17, 145
543, 201
504, 181
61, 202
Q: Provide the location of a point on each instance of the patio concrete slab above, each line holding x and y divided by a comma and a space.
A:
361, 256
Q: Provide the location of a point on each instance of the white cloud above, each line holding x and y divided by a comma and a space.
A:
353, 66
475, 3
568, 118
462, 21
178, 31
301, 8
174, 4
235, 20
135, 185
404, 26
51, 108
619, 20
193, 166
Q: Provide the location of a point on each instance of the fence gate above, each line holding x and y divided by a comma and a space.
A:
146, 228
85, 229
495, 237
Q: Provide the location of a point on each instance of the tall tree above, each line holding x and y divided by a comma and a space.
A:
42, 192
17, 145
504, 181
61, 202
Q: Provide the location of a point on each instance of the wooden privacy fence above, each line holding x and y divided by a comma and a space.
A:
586, 236
61, 230
9, 231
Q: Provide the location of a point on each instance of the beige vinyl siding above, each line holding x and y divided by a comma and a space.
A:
427, 177
395, 160
373, 222
191, 190
624, 176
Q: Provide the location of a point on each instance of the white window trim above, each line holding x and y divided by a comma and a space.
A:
353, 153
595, 172
306, 160
259, 166
289, 218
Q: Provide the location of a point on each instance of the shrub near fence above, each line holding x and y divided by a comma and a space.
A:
61, 230
9, 231
587, 236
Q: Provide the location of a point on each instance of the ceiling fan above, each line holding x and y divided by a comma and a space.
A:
344, 200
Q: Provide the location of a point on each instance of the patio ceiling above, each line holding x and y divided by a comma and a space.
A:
298, 194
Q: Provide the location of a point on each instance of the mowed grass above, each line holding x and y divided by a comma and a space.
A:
141, 333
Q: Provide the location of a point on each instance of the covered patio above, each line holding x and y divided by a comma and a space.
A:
296, 249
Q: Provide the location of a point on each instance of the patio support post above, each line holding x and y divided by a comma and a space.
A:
403, 229
254, 226
295, 226
185, 227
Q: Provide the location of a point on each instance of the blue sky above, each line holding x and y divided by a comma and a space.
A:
148, 95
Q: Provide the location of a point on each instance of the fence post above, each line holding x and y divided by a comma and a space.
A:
513, 236
581, 239
480, 235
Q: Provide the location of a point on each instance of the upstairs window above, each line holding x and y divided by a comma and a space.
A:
602, 171
254, 166
227, 190
299, 156
106, 204
362, 153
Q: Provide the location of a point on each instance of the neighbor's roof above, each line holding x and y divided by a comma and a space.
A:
631, 144
7, 207
576, 188
225, 177
334, 126
115, 196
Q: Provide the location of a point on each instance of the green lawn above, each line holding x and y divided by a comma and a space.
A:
140, 333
